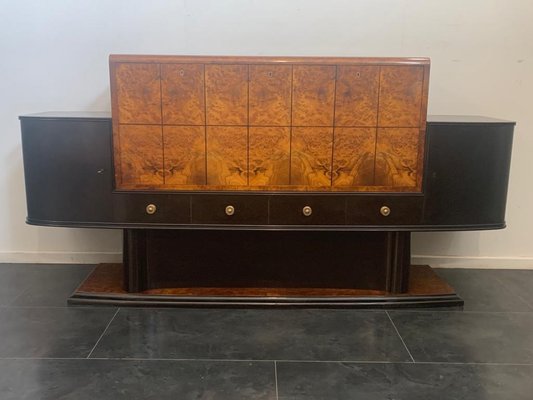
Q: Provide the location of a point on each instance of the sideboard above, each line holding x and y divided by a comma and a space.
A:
234, 185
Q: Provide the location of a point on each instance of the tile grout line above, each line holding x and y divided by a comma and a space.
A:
400, 336
276, 377
103, 333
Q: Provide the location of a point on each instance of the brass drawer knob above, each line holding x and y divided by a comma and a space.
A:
151, 209
307, 211
230, 210
385, 211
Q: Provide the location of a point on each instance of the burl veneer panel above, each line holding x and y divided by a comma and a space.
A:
227, 156
270, 95
397, 157
353, 157
142, 154
182, 93
184, 148
313, 95
356, 102
311, 156
269, 123
138, 93
269, 156
226, 89
400, 96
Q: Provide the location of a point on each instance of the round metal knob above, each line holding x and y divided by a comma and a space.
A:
230, 210
385, 211
307, 211
151, 209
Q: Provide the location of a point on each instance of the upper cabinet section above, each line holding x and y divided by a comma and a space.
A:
269, 123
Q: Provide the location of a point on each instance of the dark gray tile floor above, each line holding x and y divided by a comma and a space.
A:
50, 351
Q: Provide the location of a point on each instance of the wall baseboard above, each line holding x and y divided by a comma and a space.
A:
59, 257
52, 257
474, 262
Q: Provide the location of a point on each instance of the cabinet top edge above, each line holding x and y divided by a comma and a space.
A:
98, 115
125, 58
465, 119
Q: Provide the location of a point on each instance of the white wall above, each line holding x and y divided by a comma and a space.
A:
53, 56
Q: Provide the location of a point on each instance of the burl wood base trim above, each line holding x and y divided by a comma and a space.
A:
104, 286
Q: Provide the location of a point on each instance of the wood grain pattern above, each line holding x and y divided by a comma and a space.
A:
227, 155
184, 155
356, 102
397, 157
142, 154
313, 95
138, 93
226, 94
400, 96
270, 95
353, 157
269, 156
311, 156
182, 93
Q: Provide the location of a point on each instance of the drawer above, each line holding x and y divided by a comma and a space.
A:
384, 210
151, 208
224, 209
307, 210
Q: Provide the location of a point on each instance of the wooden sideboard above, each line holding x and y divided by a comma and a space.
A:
215, 206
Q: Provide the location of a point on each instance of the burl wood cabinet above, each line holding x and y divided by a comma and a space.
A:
261, 181
269, 124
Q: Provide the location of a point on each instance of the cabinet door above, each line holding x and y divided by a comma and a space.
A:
138, 91
182, 92
397, 157
141, 151
270, 95
184, 155
353, 157
227, 155
311, 156
226, 94
313, 95
356, 96
400, 96
269, 156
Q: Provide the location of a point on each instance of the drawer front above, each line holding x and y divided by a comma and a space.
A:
384, 210
223, 209
151, 208
307, 210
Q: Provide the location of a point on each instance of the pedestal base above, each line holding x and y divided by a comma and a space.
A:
105, 286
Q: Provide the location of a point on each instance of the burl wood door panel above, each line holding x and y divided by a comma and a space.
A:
226, 90
313, 95
353, 157
269, 123
184, 149
397, 157
142, 155
400, 96
270, 95
138, 93
269, 156
311, 156
227, 156
183, 94
357, 95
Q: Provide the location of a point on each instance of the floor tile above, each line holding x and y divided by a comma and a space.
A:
482, 291
518, 281
14, 280
107, 379
51, 332
310, 381
467, 336
51, 285
252, 335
